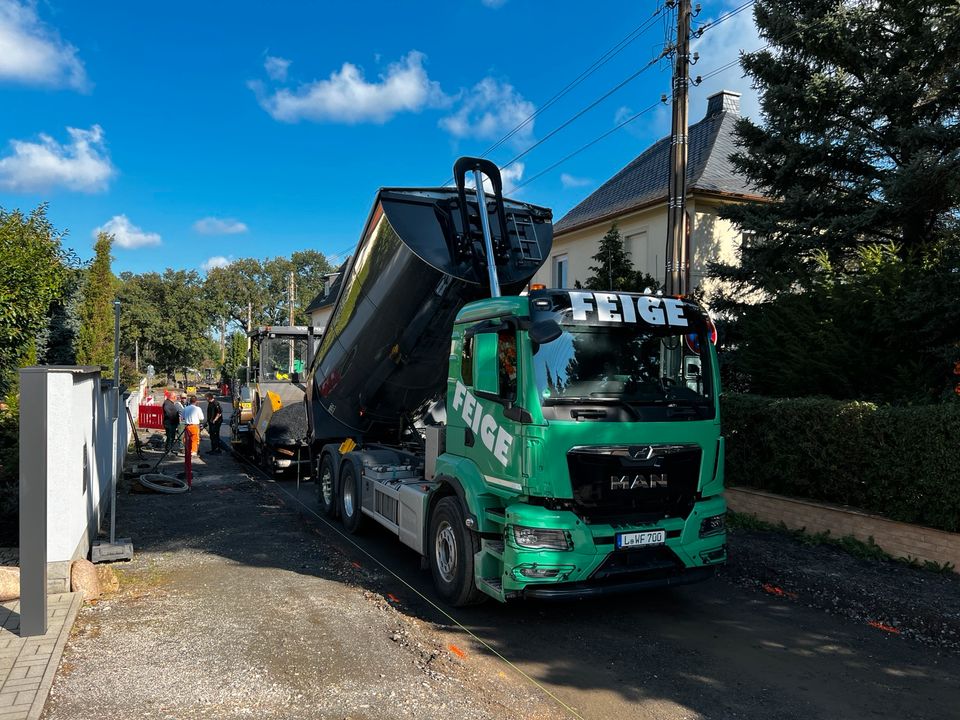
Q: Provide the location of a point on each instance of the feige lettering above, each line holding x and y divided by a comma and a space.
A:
675, 313
607, 307
650, 310
581, 303
614, 308
494, 438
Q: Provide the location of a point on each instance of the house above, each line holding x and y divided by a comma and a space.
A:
636, 200
321, 307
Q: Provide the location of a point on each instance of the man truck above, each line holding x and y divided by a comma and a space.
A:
556, 444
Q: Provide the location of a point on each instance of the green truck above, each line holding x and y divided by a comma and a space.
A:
556, 444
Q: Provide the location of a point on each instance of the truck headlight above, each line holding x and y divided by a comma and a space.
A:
540, 538
713, 525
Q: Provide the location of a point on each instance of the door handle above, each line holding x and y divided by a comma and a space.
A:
468, 437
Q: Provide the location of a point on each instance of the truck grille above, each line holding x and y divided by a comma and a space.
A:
645, 563
638, 482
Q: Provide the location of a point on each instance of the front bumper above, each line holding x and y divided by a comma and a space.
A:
575, 591
594, 566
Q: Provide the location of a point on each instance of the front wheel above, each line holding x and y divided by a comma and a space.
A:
326, 488
451, 551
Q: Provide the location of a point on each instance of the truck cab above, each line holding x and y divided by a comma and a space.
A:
585, 428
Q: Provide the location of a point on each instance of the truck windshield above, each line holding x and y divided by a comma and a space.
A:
633, 365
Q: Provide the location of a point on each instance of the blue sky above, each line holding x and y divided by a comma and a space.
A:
216, 130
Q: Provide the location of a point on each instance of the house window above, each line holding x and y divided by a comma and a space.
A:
561, 270
747, 238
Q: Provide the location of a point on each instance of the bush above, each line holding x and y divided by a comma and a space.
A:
9, 474
900, 462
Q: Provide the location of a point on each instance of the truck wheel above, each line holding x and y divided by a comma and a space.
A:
451, 549
326, 487
350, 498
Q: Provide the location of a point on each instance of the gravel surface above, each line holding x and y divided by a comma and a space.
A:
893, 596
232, 608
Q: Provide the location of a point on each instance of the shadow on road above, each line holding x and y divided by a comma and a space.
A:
712, 649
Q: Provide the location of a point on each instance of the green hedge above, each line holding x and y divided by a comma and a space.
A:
899, 462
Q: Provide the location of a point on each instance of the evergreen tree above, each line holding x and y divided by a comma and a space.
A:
854, 257
95, 334
614, 270
860, 142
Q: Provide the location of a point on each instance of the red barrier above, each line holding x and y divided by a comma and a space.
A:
150, 417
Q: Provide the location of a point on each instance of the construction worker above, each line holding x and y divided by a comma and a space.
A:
214, 420
192, 419
171, 418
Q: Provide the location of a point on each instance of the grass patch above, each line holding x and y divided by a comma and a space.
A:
868, 550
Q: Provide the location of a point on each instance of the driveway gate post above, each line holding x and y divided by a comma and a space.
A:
33, 501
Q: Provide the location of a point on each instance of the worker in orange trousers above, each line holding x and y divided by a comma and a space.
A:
192, 420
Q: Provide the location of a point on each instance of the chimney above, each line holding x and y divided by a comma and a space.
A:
723, 101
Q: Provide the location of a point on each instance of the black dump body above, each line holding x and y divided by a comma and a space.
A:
383, 358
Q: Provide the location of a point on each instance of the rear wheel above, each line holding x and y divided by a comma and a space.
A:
350, 498
451, 550
326, 488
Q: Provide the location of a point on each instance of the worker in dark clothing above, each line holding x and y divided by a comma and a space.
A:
214, 420
171, 419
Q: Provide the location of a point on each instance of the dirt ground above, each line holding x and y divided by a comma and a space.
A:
241, 602
232, 608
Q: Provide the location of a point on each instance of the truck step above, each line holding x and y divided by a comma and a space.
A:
494, 584
494, 547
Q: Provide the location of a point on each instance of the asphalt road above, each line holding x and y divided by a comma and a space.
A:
711, 650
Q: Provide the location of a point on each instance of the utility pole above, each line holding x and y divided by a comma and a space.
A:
249, 345
677, 261
291, 291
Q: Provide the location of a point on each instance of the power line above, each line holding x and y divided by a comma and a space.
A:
584, 147
589, 107
596, 65
726, 16
632, 118
606, 57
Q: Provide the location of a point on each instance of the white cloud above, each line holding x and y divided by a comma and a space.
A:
719, 45
33, 53
571, 181
276, 67
488, 111
82, 164
217, 261
346, 96
126, 234
510, 177
219, 226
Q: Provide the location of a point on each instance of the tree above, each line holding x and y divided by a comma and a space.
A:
854, 259
614, 270
860, 142
33, 272
95, 335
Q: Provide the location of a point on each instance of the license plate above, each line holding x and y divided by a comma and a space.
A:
636, 539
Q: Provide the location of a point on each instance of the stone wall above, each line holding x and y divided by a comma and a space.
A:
900, 540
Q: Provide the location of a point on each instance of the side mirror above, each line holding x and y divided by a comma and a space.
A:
486, 377
544, 331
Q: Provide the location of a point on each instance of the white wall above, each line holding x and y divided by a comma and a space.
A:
645, 238
80, 459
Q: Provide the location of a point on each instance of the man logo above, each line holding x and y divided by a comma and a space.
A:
632, 482
641, 452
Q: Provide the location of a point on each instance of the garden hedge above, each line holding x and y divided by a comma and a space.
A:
899, 462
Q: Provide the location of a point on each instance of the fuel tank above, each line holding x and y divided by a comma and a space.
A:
383, 358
